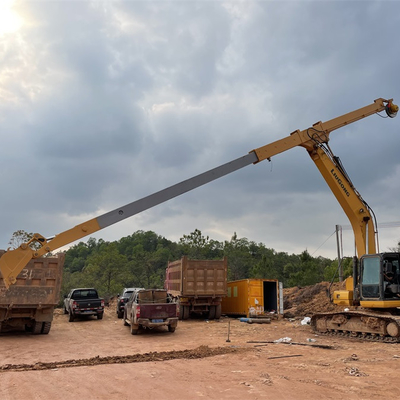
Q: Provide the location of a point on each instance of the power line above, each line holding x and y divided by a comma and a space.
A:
323, 243
382, 225
394, 224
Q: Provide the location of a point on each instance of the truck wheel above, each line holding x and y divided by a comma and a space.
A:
71, 317
218, 311
211, 312
46, 327
180, 312
37, 327
125, 323
134, 329
65, 311
100, 316
171, 328
120, 314
185, 312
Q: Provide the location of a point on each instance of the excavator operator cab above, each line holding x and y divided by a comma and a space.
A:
391, 276
379, 276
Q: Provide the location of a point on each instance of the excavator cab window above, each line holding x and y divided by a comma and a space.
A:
370, 277
391, 277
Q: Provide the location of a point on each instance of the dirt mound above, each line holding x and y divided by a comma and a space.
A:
199, 352
306, 301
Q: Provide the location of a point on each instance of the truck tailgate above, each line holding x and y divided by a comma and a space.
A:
158, 310
90, 303
187, 277
38, 283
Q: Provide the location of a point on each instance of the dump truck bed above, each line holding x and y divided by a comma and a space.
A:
197, 278
34, 295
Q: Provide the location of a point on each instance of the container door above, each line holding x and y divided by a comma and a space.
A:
270, 297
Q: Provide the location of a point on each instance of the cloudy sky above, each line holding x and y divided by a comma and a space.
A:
105, 102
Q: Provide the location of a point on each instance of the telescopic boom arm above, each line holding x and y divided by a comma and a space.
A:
313, 139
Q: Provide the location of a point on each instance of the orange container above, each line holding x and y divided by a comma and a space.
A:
252, 298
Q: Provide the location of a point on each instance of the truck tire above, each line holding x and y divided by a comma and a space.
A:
71, 317
100, 315
211, 312
125, 323
37, 327
171, 328
180, 312
120, 314
65, 311
218, 311
185, 312
134, 329
46, 328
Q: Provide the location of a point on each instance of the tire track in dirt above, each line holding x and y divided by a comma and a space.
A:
199, 352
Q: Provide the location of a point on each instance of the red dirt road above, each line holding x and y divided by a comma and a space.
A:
100, 359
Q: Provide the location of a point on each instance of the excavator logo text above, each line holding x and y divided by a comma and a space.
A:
339, 181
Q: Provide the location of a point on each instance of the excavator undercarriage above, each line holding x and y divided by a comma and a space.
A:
360, 324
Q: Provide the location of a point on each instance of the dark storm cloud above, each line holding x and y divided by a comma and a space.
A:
102, 103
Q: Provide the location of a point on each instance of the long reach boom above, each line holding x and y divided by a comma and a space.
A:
314, 139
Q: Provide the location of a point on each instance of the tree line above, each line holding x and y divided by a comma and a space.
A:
140, 260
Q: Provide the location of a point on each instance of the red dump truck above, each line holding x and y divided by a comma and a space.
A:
30, 302
198, 285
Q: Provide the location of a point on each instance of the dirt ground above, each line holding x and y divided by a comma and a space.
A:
100, 359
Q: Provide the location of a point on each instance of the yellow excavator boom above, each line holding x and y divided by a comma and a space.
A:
314, 139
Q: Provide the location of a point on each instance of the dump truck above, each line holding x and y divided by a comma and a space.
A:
254, 298
198, 285
30, 302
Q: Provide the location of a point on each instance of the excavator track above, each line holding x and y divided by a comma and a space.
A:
361, 325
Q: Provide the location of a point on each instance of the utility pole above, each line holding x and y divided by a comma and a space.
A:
340, 266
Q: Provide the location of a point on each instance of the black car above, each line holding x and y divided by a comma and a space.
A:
123, 299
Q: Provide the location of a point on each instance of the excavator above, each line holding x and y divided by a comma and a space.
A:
371, 298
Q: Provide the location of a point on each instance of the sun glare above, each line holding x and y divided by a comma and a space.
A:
10, 21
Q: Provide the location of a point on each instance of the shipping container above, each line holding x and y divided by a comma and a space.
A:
29, 303
253, 298
198, 285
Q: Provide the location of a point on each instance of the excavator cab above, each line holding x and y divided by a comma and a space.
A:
379, 277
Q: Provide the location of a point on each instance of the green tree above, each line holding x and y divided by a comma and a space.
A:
21, 236
199, 247
331, 271
239, 257
148, 268
76, 256
106, 269
265, 267
308, 272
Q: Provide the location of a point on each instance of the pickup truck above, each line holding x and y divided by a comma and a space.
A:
82, 302
151, 308
123, 299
